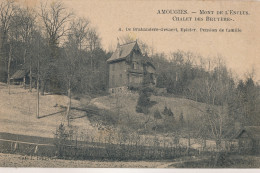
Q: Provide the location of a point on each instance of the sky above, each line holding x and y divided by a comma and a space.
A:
240, 50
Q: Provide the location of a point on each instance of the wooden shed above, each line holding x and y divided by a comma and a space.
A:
249, 140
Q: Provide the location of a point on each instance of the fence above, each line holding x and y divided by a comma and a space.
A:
39, 146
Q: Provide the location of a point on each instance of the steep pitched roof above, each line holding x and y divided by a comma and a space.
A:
19, 74
22, 71
122, 51
149, 61
252, 131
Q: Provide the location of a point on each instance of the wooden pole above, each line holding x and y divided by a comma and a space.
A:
69, 102
38, 94
24, 68
30, 76
8, 70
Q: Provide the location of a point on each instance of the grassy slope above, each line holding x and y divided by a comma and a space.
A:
126, 105
18, 113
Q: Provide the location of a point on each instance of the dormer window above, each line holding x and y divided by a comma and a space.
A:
133, 65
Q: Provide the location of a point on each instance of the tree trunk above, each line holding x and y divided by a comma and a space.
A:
69, 103
204, 144
30, 76
43, 83
189, 140
218, 145
38, 94
24, 77
8, 68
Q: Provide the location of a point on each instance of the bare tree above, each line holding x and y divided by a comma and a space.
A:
216, 95
79, 32
25, 21
69, 63
7, 11
94, 42
55, 19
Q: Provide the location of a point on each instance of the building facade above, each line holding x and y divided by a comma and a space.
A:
128, 67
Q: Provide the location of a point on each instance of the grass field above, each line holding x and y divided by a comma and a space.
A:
18, 115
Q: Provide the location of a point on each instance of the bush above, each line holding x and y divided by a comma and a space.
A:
170, 113
144, 103
165, 111
61, 139
157, 114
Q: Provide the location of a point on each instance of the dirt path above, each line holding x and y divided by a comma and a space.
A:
14, 160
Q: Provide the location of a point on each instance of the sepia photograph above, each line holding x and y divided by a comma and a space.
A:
129, 84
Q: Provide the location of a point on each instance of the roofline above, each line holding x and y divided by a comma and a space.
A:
119, 59
128, 43
151, 65
243, 131
115, 60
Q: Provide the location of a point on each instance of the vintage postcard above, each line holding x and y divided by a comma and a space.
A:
129, 84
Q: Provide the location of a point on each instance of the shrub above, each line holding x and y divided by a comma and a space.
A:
144, 103
157, 114
61, 139
170, 113
165, 111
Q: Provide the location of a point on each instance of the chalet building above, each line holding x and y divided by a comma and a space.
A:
128, 67
249, 140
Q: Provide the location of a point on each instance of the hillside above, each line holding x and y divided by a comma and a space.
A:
116, 114
18, 113
124, 106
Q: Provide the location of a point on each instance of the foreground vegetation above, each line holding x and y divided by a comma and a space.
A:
14, 160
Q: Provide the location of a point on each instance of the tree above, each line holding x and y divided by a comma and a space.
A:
217, 96
79, 30
61, 138
144, 103
55, 19
7, 11
68, 70
170, 113
25, 27
94, 42
165, 111
157, 114
245, 103
181, 119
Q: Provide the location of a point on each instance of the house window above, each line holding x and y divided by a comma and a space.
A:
135, 65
